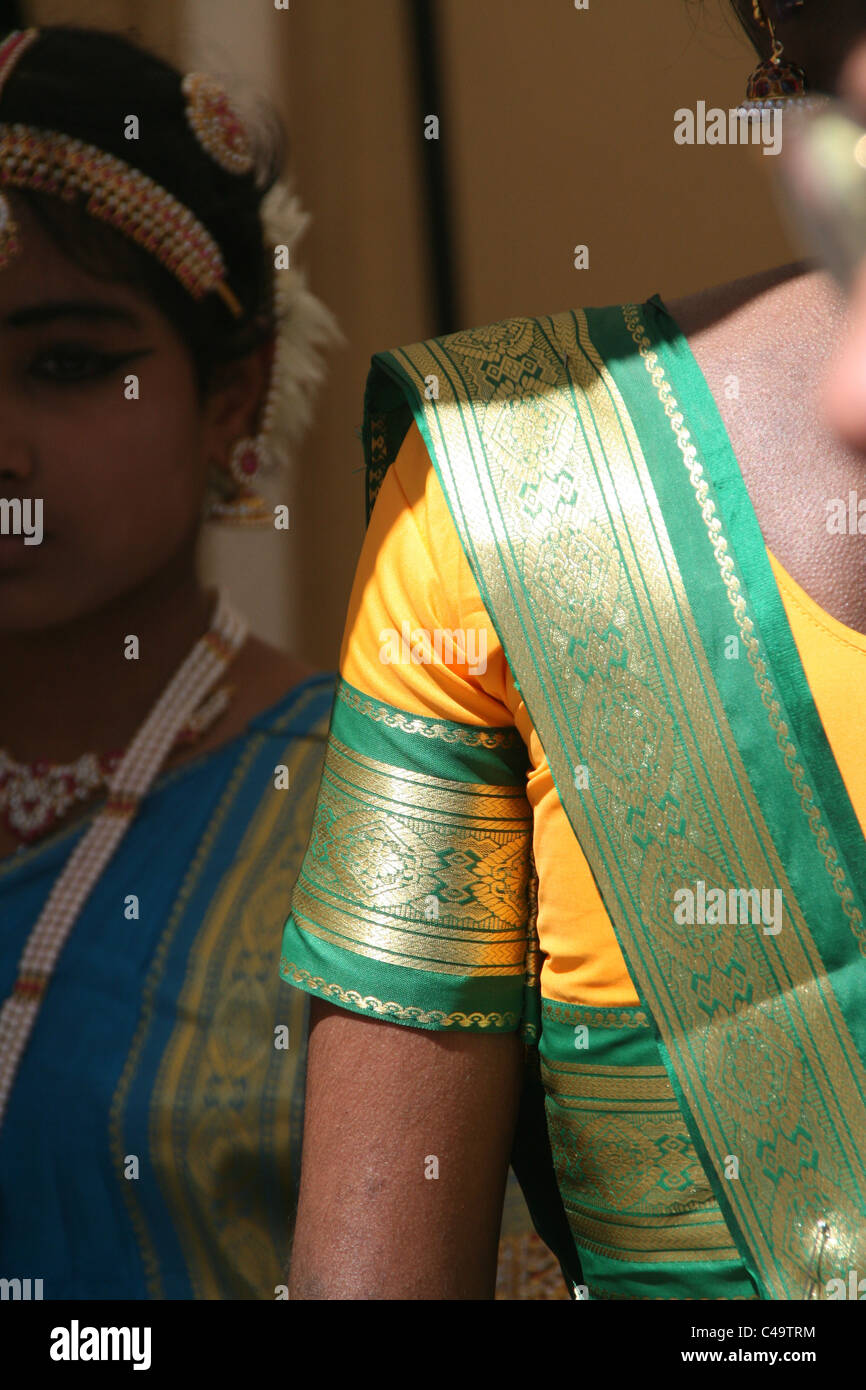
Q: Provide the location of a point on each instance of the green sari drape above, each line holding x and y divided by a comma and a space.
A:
599, 503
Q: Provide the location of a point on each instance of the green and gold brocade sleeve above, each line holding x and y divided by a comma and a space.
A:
414, 898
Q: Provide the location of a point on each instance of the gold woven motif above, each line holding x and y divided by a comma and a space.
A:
384, 1008
417, 870
540, 447
631, 1181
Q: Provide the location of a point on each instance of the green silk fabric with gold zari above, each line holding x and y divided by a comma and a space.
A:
601, 508
708, 1142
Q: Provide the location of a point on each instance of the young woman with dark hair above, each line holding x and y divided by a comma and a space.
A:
158, 764
151, 1067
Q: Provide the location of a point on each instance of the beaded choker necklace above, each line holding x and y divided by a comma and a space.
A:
34, 797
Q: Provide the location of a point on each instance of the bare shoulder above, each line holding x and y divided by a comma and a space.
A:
718, 310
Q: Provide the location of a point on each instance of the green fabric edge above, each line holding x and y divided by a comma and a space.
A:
391, 392
487, 1004
608, 1046
632, 1044
711, 610
787, 823
719, 1279
461, 762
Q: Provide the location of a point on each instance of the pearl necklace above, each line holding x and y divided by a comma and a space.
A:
128, 786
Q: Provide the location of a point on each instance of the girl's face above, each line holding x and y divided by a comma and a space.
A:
120, 479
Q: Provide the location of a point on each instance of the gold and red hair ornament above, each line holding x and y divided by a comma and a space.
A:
11, 50
134, 204
50, 161
217, 126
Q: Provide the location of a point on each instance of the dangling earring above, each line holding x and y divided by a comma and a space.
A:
774, 84
242, 505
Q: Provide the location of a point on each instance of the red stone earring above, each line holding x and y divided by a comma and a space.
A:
774, 83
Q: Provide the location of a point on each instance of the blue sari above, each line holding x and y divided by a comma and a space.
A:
151, 1147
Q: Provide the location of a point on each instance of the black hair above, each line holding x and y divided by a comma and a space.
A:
757, 33
743, 13
85, 83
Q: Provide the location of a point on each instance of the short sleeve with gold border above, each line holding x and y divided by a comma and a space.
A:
414, 902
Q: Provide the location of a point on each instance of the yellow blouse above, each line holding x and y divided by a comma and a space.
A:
414, 575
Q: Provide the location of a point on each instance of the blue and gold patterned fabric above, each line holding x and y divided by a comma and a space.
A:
151, 1148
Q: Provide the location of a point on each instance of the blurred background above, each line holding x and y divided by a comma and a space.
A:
555, 130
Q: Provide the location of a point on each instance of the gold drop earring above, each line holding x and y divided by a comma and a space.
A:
774, 83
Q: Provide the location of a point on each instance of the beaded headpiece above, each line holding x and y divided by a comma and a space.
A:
49, 161
126, 199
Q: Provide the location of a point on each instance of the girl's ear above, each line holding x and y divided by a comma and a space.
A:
235, 398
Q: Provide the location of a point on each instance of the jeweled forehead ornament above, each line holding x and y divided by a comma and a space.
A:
10, 51
116, 193
215, 123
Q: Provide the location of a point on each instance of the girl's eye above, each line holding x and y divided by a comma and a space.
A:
72, 363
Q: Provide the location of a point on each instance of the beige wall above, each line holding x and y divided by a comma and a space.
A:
563, 134
558, 129
153, 22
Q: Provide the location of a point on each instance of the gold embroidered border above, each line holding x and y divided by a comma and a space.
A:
581, 1084
662, 1240
835, 870
388, 1008
593, 574
793, 1021
593, 1016
633, 1186
445, 732
441, 948
415, 870
221, 1085
479, 804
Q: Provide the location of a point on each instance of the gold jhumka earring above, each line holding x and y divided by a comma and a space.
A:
774, 83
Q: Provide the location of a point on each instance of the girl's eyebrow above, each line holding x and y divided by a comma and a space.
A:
89, 310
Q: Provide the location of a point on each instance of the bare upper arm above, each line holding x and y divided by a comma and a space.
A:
382, 1101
